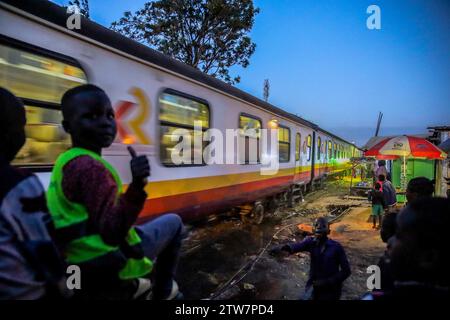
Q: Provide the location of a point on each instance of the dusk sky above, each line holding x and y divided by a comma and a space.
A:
325, 65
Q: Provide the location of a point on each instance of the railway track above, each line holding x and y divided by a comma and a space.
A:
333, 216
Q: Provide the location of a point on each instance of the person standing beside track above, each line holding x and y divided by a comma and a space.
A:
390, 196
378, 205
381, 170
329, 265
94, 219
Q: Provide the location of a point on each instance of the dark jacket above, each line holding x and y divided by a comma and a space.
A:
29, 262
390, 196
389, 225
376, 197
330, 266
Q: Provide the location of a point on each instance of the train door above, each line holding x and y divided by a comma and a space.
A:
298, 162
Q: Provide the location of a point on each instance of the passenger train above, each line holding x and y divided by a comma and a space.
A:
153, 95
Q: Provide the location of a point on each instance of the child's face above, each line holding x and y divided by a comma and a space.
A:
92, 124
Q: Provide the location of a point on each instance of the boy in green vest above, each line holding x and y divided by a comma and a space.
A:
94, 219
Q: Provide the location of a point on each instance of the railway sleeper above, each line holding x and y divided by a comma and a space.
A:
254, 213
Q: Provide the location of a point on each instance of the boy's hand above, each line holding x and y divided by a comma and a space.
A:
280, 250
140, 168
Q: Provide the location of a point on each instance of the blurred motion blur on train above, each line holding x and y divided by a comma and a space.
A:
153, 95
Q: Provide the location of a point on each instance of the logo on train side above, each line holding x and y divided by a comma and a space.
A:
130, 130
74, 20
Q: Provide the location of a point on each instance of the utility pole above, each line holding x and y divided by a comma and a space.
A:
380, 116
266, 89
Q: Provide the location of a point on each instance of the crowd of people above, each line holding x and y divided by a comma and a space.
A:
412, 264
86, 219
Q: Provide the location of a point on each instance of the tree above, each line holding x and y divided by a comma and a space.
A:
83, 5
210, 35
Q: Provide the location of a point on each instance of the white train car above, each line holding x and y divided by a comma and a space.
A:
153, 95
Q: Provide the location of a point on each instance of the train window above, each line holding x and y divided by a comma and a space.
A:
308, 145
327, 149
32, 76
335, 151
298, 142
284, 144
40, 82
45, 137
319, 145
180, 111
330, 149
250, 133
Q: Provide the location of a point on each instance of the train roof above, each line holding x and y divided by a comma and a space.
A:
336, 137
56, 14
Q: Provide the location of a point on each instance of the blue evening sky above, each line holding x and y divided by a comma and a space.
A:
326, 66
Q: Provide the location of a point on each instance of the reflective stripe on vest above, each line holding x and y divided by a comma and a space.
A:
81, 242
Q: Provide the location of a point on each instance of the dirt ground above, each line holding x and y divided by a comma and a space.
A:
219, 251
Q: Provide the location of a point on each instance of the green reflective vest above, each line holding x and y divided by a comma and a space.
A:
82, 244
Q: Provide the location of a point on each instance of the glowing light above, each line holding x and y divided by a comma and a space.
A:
273, 124
128, 139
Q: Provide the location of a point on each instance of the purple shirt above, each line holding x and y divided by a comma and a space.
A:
330, 265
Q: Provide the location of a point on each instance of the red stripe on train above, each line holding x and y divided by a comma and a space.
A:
196, 204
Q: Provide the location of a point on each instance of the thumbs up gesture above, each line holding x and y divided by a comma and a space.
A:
140, 168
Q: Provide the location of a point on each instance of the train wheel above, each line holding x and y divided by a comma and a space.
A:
255, 216
290, 197
272, 205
